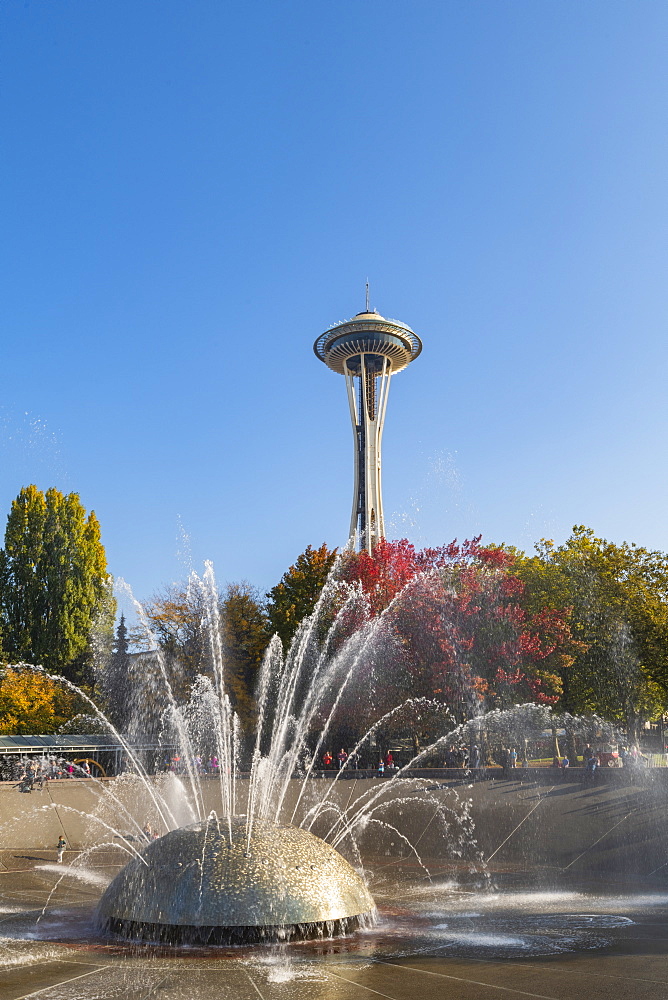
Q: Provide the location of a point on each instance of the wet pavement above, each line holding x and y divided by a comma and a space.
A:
461, 935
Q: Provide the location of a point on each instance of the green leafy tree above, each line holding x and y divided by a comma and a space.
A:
54, 585
619, 600
245, 636
291, 600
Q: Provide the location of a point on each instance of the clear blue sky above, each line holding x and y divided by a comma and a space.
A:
193, 190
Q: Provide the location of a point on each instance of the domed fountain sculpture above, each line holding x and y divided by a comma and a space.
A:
196, 884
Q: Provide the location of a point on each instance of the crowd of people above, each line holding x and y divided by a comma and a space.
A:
30, 774
630, 756
591, 759
197, 764
350, 761
505, 756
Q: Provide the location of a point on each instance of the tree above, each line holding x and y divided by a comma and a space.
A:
464, 638
54, 585
115, 680
245, 636
177, 619
294, 598
619, 597
31, 702
181, 618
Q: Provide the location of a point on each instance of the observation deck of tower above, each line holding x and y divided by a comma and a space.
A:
367, 350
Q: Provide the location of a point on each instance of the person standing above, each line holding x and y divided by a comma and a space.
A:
62, 844
327, 760
389, 761
342, 757
590, 767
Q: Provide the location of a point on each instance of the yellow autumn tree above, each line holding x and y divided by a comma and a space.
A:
295, 597
31, 703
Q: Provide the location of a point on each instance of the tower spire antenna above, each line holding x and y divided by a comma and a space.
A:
367, 295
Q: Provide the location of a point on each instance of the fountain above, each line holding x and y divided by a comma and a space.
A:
255, 875
271, 871
196, 885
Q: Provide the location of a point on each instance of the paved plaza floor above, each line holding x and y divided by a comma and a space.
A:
515, 934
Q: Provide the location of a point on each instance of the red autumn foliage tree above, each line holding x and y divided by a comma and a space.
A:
461, 635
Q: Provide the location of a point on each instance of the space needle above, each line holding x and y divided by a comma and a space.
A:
367, 350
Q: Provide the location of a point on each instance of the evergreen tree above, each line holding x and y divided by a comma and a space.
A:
115, 679
54, 585
121, 645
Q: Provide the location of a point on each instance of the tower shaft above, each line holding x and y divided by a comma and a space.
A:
368, 390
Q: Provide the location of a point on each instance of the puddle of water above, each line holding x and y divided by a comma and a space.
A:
517, 923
